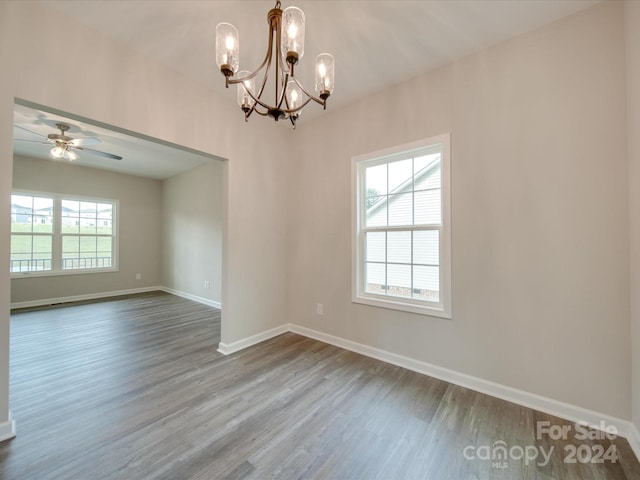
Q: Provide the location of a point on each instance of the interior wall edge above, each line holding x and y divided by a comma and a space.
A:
190, 296
8, 428
632, 45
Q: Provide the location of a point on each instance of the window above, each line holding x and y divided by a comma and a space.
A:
31, 233
54, 234
402, 229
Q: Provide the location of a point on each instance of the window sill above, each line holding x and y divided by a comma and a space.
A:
57, 273
397, 304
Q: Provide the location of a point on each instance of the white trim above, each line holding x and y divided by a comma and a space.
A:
8, 429
195, 298
228, 349
634, 440
442, 308
57, 235
531, 400
78, 298
117, 293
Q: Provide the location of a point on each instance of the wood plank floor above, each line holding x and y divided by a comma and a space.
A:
133, 388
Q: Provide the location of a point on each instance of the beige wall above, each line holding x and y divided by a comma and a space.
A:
539, 211
192, 225
139, 227
632, 30
120, 87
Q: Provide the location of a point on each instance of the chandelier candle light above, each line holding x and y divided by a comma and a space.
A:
286, 37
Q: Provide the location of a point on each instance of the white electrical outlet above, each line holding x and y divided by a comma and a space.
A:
138, 276
207, 284
319, 309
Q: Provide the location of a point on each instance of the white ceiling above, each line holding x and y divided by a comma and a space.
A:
376, 43
141, 157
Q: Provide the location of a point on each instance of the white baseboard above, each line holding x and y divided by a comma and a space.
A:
189, 296
78, 298
8, 429
227, 349
531, 400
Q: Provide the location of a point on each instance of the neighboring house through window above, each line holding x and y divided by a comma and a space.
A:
402, 228
56, 234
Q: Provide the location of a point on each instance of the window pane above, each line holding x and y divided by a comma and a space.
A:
104, 227
426, 247
42, 244
70, 244
70, 208
31, 214
70, 225
399, 247
88, 225
377, 215
21, 244
376, 180
105, 210
103, 259
88, 210
23, 201
399, 280
105, 216
400, 176
429, 175
30, 253
400, 209
427, 209
426, 281
375, 278
43, 224
43, 206
104, 244
376, 246
20, 223
373, 201
87, 246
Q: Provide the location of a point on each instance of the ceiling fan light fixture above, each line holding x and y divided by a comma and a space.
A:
70, 155
57, 152
63, 147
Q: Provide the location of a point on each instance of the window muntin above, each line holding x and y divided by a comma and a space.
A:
54, 234
401, 228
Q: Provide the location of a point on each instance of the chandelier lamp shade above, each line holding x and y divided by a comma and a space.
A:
284, 51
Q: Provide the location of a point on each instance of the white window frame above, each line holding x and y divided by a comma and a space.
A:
57, 235
358, 218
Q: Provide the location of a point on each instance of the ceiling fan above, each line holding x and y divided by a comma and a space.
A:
64, 146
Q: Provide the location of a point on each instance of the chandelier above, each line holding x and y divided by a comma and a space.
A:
286, 43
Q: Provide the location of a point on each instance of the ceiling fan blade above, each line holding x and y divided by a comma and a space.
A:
98, 152
84, 142
30, 131
41, 142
